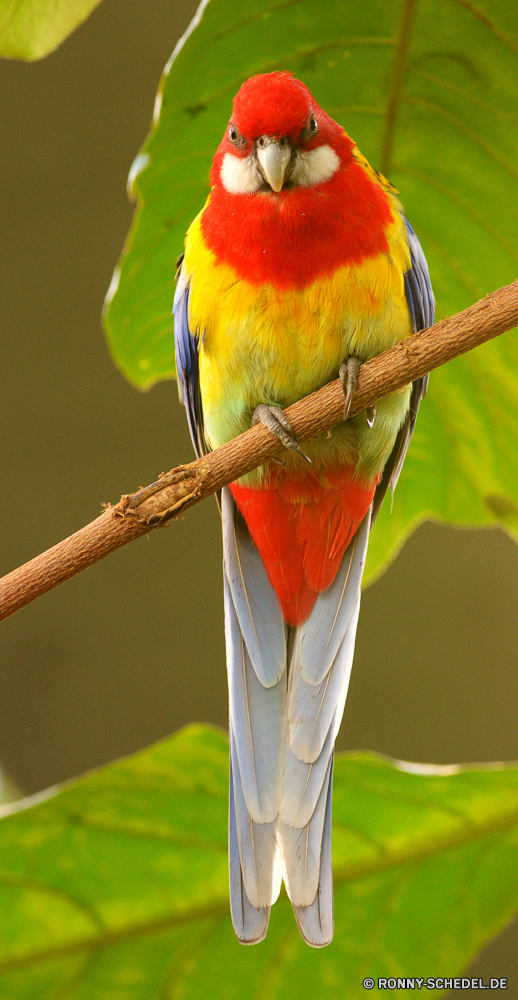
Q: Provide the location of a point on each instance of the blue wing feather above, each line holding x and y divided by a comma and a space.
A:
421, 306
187, 365
418, 287
420, 301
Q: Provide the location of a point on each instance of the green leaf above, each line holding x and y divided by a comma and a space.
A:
30, 29
448, 138
115, 886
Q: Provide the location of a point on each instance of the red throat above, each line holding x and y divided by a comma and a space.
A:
291, 238
302, 527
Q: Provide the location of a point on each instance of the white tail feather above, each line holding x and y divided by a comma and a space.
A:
256, 605
321, 636
282, 737
258, 847
302, 784
301, 851
257, 716
250, 923
316, 923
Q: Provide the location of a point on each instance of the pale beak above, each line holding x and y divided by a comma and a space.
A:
273, 156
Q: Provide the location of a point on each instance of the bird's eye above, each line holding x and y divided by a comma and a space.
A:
313, 125
233, 135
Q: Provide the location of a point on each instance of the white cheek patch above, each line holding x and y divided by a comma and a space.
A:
240, 176
315, 167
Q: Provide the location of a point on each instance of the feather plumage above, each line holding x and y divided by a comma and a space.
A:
250, 922
301, 527
316, 921
301, 850
257, 718
187, 365
257, 607
265, 312
421, 306
282, 736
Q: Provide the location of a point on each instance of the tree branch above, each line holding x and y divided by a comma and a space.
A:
154, 506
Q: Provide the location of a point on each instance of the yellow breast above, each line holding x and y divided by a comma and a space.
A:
262, 345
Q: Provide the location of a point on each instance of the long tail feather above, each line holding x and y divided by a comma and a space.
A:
320, 667
321, 636
282, 735
257, 729
255, 602
257, 719
250, 923
301, 851
302, 784
316, 921
312, 707
258, 847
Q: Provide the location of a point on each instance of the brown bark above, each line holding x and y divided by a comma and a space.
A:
175, 492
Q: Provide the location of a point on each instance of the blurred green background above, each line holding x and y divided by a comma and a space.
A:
133, 648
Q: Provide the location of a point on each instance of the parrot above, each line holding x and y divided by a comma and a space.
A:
300, 267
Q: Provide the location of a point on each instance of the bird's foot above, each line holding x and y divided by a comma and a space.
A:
275, 419
348, 373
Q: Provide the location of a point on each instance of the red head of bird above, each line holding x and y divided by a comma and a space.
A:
291, 198
278, 138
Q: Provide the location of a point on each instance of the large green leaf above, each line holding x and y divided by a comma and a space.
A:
115, 885
447, 137
30, 29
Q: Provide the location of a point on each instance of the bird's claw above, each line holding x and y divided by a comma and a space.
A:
370, 415
348, 373
275, 419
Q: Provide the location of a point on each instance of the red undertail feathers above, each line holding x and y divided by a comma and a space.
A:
302, 527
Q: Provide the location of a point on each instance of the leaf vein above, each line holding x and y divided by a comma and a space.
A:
49, 890
469, 132
488, 23
397, 84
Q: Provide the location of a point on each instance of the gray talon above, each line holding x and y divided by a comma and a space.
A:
275, 419
370, 415
348, 373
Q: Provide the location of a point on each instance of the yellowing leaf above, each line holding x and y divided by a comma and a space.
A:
30, 29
